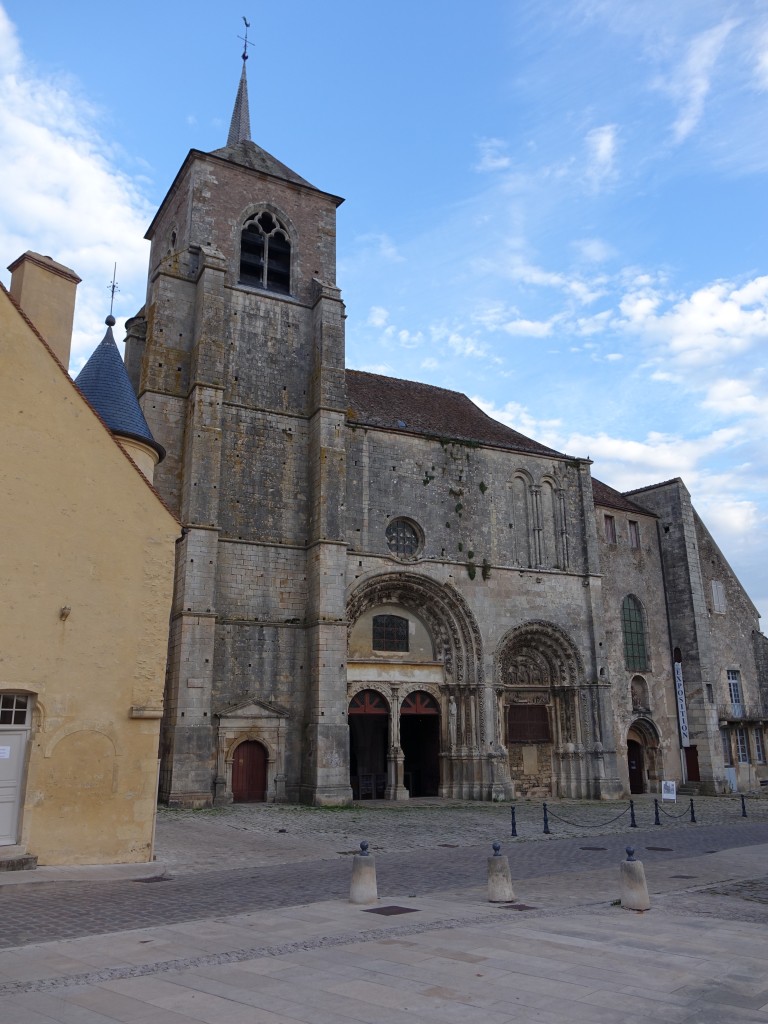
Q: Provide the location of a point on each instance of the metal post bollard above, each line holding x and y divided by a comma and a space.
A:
632, 822
514, 822
546, 821
743, 807
693, 815
656, 818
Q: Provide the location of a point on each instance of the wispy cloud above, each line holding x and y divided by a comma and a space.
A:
492, 156
601, 155
690, 82
63, 194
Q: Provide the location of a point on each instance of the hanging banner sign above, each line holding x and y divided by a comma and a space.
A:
682, 714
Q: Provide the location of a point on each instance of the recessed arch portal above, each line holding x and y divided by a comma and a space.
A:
368, 717
420, 740
644, 762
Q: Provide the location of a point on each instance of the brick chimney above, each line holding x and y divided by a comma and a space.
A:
45, 290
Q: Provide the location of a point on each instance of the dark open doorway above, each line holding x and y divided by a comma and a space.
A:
368, 718
420, 743
636, 767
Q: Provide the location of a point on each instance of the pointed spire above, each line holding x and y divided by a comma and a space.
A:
104, 382
240, 125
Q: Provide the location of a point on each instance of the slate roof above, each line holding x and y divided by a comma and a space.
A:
413, 408
248, 154
104, 382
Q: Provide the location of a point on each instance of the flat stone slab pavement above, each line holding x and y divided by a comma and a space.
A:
562, 952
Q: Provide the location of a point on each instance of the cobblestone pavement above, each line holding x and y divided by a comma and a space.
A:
419, 850
187, 841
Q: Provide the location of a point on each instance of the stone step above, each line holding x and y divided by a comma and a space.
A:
18, 862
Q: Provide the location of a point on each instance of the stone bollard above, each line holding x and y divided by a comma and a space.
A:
634, 891
499, 878
362, 888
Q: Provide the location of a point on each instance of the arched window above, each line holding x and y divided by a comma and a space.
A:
633, 628
390, 633
265, 253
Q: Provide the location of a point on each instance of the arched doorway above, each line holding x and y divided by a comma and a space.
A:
249, 773
368, 717
636, 765
420, 743
643, 757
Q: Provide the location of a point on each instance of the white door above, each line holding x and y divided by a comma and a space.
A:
13, 745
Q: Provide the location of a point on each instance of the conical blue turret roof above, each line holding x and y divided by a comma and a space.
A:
105, 384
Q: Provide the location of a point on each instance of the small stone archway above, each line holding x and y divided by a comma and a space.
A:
644, 760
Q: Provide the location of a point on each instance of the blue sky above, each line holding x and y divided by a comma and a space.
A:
556, 207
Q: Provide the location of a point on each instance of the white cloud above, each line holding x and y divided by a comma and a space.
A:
761, 63
713, 324
690, 83
529, 328
381, 246
601, 155
377, 316
63, 194
594, 250
492, 156
410, 339
518, 417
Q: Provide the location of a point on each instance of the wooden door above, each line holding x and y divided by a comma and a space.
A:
249, 773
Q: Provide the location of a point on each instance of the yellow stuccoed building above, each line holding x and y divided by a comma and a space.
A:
86, 582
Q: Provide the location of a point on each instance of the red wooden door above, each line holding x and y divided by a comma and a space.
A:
249, 773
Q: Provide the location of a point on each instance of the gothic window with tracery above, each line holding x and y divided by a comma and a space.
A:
265, 253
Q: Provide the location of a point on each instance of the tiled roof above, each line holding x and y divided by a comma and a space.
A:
413, 408
104, 383
605, 495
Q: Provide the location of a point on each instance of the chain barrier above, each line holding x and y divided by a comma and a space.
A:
668, 814
688, 811
589, 824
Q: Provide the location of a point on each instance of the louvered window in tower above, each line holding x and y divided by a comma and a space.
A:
265, 254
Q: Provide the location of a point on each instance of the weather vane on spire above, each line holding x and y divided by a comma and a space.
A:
240, 125
246, 44
110, 321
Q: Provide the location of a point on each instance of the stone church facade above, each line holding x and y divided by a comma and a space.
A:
380, 591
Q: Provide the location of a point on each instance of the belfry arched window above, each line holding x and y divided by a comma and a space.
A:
265, 253
633, 628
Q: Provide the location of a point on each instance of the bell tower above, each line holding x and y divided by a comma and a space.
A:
238, 361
